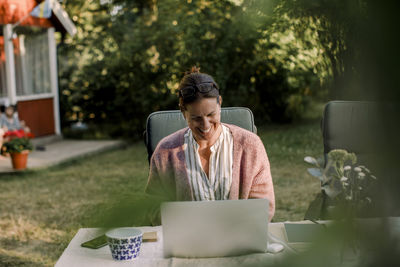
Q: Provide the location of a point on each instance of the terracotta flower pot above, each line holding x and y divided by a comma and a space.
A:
19, 160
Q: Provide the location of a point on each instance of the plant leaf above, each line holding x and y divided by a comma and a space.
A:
315, 172
321, 161
331, 191
311, 160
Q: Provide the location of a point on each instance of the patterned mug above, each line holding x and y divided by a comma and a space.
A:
124, 242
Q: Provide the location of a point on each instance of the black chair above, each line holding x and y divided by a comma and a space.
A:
162, 123
355, 127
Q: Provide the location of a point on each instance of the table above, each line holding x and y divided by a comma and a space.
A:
151, 253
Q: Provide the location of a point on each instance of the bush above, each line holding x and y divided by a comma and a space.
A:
130, 63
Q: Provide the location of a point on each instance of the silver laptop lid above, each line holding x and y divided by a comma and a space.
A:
221, 228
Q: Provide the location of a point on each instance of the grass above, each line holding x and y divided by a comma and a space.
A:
286, 147
42, 210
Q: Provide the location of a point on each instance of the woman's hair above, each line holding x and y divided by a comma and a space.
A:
196, 85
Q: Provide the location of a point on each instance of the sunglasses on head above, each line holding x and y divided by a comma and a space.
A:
191, 90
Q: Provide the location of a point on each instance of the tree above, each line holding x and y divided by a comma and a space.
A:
128, 57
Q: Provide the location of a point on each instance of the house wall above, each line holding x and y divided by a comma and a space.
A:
11, 11
38, 115
38, 108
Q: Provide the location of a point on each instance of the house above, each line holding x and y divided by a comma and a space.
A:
28, 61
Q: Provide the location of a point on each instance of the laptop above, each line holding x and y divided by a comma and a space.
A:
202, 229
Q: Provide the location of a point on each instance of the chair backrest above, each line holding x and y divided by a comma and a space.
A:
352, 125
162, 123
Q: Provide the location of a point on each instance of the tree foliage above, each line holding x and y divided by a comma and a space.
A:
345, 33
128, 57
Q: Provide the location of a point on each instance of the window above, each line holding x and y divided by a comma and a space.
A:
32, 69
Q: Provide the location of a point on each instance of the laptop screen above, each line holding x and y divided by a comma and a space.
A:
214, 228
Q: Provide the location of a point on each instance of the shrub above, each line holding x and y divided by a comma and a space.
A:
132, 66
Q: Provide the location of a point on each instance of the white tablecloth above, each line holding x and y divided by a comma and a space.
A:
151, 253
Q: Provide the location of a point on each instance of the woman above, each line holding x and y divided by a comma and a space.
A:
209, 160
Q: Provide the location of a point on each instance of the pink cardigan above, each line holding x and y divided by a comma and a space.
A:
251, 175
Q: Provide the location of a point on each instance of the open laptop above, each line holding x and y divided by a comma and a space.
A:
198, 229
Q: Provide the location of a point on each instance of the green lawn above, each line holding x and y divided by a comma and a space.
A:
42, 210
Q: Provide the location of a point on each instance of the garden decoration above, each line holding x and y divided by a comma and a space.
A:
346, 185
18, 144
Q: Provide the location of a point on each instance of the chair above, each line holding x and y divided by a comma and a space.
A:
162, 123
353, 126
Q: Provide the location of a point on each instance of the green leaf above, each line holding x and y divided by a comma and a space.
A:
331, 190
18, 145
314, 210
315, 172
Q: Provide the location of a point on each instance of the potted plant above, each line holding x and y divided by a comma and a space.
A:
349, 194
346, 185
18, 145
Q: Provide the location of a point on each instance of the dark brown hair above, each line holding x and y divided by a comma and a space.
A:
192, 81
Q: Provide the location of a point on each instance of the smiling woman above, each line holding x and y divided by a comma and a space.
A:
209, 160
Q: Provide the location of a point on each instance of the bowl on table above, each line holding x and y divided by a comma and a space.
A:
125, 242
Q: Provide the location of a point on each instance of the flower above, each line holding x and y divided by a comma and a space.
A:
347, 168
17, 134
17, 141
343, 182
337, 154
341, 155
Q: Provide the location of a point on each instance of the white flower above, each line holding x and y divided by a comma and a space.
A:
348, 198
368, 199
347, 168
373, 177
360, 188
361, 175
346, 184
344, 179
357, 169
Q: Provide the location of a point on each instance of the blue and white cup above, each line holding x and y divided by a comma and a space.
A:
124, 242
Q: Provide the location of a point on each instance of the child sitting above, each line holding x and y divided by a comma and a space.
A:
9, 120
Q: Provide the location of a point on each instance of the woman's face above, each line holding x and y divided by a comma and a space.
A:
203, 118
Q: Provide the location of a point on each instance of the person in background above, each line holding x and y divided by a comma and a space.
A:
9, 120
